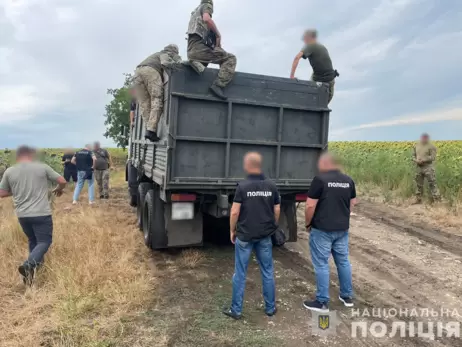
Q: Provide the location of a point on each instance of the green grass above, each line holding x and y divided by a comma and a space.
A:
388, 166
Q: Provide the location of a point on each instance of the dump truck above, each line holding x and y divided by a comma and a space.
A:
192, 172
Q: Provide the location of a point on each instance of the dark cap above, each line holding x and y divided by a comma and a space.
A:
425, 135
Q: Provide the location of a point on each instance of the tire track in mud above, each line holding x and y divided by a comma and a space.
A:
440, 238
367, 296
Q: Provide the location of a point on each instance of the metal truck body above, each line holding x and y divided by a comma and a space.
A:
195, 167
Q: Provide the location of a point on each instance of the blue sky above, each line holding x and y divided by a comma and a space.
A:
399, 60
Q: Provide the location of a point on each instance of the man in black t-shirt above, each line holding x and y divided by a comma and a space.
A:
85, 161
70, 170
327, 214
254, 217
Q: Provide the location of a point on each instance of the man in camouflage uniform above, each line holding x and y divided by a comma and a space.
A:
204, 47
102, 165
320, 61
424, 155
149, 87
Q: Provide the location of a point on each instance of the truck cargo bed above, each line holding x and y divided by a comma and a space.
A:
203, 139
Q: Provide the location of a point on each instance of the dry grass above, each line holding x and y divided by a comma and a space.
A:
191, 258
96, 278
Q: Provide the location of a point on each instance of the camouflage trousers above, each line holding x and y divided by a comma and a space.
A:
199, 52
149, 91
102, 178
331, 87
426, 172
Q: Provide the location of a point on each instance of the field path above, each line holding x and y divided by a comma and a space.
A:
396, 265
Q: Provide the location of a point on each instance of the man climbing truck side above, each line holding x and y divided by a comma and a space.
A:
188, 178
319, 60
149, 89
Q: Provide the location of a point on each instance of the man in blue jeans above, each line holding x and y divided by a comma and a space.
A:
85, 161
254, 217
327, 214
28, 182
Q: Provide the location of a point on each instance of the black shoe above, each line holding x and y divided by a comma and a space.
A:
101, 196
27, 272
106, 197
151, 135
271, 314
218, 91
316, 306
347, 301
228, 312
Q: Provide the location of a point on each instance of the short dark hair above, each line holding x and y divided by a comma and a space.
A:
23, 151
313, 33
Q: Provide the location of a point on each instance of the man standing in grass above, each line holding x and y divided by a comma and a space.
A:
424, 156
102, 165
85, 161
27, 182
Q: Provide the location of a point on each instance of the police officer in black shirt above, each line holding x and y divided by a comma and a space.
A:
85, 161
331, 196
70, 170
254, 217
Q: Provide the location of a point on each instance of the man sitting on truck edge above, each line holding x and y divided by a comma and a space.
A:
204, 47
254, 217
149, 87
320, 61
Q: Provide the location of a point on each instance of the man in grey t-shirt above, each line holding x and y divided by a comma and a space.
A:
27, 182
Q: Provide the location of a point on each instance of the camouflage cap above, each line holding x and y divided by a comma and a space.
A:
207, 2
172, 48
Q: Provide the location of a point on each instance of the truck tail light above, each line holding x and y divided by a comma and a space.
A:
301, 197
183, 197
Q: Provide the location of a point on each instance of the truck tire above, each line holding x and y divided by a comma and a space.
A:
155, 234
143, 189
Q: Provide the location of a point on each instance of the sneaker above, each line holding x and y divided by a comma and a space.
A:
106, 197
101, 196
417, 201
28, 273
91, 202
271, 314
218, 91
316, 306
228, 312
74, 202
347, 301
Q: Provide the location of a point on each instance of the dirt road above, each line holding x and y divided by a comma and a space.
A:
396, 265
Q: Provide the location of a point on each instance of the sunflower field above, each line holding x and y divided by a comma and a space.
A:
389, 165
386, 165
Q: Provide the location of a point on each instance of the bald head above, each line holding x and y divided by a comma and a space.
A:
328, 162
253, 162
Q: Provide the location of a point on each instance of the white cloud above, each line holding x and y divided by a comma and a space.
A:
433, 116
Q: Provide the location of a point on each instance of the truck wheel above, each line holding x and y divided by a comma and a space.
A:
155, 235
143, 189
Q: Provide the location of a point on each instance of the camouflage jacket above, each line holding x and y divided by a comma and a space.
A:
426, 153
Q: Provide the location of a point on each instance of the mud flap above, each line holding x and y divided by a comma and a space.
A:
288, 220
183, 233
